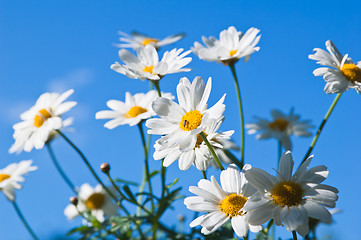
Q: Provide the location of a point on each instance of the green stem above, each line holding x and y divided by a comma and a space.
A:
269, 225
211, 150
204, 174
146, 164
240, 111
99, 224
279, 153
156, 85
315, 138
163, 171
88, 164
18, 211
294, 234
60, 170
122, 207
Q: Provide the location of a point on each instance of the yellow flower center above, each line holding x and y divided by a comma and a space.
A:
148, 69
351, 72
191, 120
95, 201
149, 40
232, 204
135, 111
41, 117
4, 176
287, 194
279, 124
232, 52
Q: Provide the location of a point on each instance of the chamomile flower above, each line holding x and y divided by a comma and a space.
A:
341, 72
180, 123
231, 46
222, 203
281, 127
147, 64
199, 155
290, 199
135, 109
136, 40
96, 200
11, 175
40, 121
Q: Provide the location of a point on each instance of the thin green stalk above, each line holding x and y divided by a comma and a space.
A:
315, 138
294, 234
204, 174
121, 205
150, 214
60, 170
101, 226
156, 85
87, 163
146, 164
240, 111
211, 150
18, 211
279, 153
269, 225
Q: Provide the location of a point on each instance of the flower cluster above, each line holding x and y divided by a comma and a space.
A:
189, 131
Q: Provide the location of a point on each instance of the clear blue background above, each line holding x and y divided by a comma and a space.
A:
58, 45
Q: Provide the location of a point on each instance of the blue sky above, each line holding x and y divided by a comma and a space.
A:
57, 45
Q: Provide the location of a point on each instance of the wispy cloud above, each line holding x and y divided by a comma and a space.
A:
74, 79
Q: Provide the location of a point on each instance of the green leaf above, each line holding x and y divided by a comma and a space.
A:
152, 174
129, 193
81, 229
126, 182
174, 182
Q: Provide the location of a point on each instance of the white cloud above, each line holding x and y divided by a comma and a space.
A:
74, 79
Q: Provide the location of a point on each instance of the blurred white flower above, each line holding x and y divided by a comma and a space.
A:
40, 121
231, 46
180, 123
135, 109
136, 40
222, 204
96, 200
290, 199
200, 155
11, 175
281, 127
147, 64
341, 72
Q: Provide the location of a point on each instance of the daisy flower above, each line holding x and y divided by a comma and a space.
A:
40, 121
222, 203
137, 40
290, 199
341, 72
12, 175
180, 123
135, 109
200, 155
280, 128
96, 200
147, 64
231, 46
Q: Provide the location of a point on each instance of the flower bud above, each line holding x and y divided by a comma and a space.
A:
74, 200
105, 168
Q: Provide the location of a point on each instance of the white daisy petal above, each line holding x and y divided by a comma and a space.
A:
40, 121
